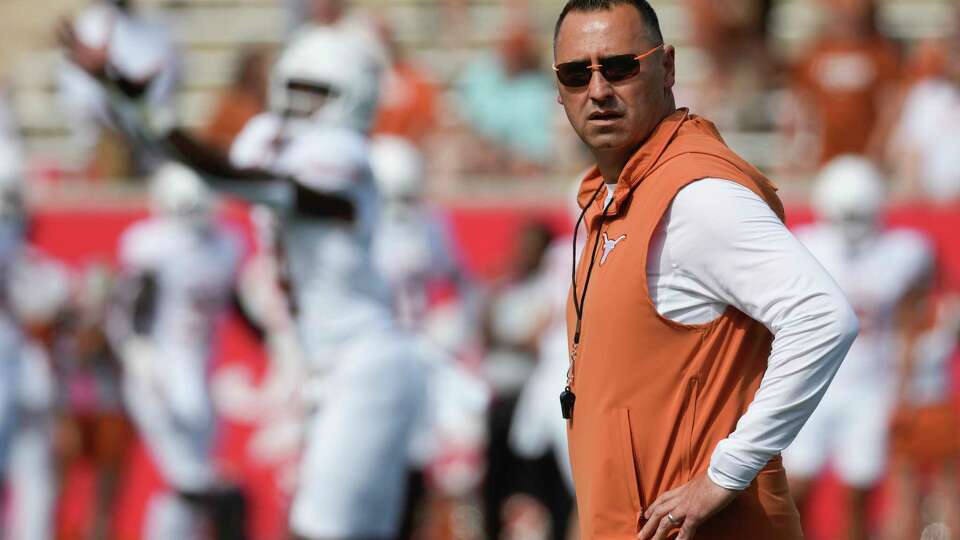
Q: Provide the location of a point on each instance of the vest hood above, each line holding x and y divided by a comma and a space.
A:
648, 156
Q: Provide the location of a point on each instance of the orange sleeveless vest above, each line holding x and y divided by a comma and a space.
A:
654, 397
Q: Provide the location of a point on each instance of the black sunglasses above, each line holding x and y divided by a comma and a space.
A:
613, 68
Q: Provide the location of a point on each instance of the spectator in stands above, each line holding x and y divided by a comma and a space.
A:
119, 65
326, 12
338, 13
925, 145
844, 88
453, 17
317, 12
244, 99
732, 34
408, 97
508, 101
9, 138
295, 12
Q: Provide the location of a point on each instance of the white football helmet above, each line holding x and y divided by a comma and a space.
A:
327, 74
176, 191
397, 168
38, 289
850, 193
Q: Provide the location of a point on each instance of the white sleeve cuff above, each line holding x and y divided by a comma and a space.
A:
729, 472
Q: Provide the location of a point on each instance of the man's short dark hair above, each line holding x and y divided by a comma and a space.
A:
649, 16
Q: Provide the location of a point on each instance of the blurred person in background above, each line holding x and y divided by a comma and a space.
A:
505, 99
844, 89
365, 380
274, 405
538, 434
409, 99
876, 269
925, 431
33, 292
318, 12
517, 312
39, 289
341, 16
119, 65
93, 428
245, 98
179, 270
9, 136
308, 157
434, 298
733, 35
414, 246
925, 146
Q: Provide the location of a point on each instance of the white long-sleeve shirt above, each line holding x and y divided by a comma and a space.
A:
720, 244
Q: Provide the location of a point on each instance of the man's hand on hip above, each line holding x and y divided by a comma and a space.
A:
684, 508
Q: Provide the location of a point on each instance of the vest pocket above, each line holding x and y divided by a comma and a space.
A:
690, 420
628, 465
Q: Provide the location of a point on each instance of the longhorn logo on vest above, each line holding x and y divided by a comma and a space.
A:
608, 246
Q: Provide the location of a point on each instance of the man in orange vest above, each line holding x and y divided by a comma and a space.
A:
702, 334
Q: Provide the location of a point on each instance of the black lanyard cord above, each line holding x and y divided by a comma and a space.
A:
578, 306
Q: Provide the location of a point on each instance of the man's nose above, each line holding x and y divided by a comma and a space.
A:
600, 89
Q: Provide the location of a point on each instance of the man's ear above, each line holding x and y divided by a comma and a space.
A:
560, 101
669, 66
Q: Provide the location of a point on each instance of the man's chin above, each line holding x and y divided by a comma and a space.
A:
606, 141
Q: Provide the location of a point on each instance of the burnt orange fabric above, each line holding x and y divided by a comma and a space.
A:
844, 82
926, 436
654, 397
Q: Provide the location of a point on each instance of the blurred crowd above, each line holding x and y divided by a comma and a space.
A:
393, 374
849, 88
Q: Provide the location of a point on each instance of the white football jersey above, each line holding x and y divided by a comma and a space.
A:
195, 272
929, 382
337, 291
412, 248
874, 277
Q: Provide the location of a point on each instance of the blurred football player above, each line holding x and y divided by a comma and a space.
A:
517, 314
925, 432
94, 428
364, 377
433, 298
875, 269
38, 289
33, 291
309, 157
413, 246
12, 224
180, 267
537, 433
